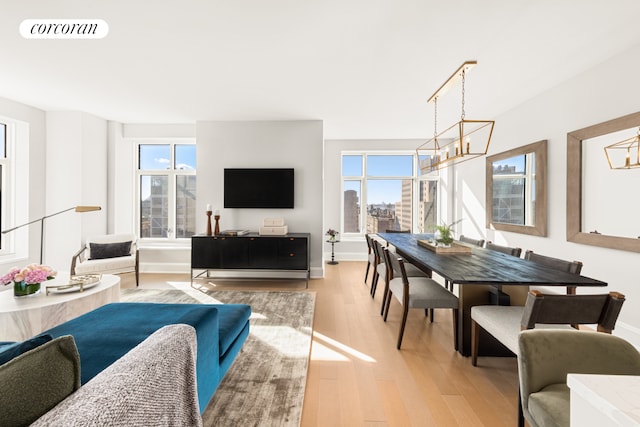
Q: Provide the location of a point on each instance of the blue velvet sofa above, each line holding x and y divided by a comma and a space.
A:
105, 334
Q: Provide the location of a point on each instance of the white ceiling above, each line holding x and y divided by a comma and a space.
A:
364, 67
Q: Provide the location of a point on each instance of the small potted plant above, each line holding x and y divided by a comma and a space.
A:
444, 234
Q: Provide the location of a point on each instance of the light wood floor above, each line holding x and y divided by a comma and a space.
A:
358, 378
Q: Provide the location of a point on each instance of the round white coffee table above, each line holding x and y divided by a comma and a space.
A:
24, 317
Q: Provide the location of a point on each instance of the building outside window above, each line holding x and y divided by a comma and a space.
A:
394, 197
166, 177
513, 183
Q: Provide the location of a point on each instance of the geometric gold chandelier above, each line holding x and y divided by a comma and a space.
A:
624, 154
460, 142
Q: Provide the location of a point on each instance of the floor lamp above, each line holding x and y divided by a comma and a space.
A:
80, 209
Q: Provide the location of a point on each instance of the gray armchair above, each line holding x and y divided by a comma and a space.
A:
547, 356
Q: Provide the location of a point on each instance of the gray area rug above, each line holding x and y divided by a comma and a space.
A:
266, 383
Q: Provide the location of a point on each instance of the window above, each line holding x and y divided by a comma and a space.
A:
166, 179
389, 187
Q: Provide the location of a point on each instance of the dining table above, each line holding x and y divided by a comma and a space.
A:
483, 276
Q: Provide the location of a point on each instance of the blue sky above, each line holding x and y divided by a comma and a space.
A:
379, 191
158, 157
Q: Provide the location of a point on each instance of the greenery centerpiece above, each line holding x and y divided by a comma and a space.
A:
444, 233
27, 281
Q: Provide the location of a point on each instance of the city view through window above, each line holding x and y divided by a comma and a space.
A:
167, 188
386, 185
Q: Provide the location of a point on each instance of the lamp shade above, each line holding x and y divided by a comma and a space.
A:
87, 208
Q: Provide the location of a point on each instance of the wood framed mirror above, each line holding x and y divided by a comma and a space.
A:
597, 232
516, 195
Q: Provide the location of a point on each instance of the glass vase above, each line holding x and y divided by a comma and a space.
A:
22, 289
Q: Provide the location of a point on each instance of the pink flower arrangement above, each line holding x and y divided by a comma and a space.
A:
33, 273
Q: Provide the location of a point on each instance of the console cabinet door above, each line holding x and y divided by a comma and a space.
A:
205, 253
292, 253
234, 252
263, 252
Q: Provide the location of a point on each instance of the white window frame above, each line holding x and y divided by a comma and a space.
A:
15, 191
171, 174
416, 178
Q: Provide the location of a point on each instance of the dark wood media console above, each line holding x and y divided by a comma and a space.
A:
259, 256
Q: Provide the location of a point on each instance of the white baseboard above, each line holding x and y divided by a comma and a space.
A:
165, 267
347, 256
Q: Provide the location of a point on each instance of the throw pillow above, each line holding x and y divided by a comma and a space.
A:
36, 381
10, 351
109, 250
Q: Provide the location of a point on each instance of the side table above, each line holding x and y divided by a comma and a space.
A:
333, 257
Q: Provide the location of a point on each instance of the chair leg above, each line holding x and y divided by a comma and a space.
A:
405, 312
386, 310
431, 315
520, 410
385, 296
366, 274
137, 271
374, 283
475, 338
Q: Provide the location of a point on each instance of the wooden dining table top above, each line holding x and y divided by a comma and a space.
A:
482, 266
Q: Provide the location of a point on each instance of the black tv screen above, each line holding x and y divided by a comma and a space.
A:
258, 188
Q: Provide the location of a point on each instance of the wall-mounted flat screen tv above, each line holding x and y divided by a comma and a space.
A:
258, 188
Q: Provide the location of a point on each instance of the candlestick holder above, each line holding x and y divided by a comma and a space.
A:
216, 230
209, 223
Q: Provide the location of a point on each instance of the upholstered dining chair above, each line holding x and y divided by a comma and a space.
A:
381, 270
573, 267
417, 292
546, 312
371, 256
505, 322
469, 240
547, 356
504, 249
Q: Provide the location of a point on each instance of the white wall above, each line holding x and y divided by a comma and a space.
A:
269, 144
76, 174
30, 201
605, 92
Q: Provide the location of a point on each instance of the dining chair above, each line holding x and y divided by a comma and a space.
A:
381, 270
469, 240
573, 267
371, 256
505, 322
546, 311
417, 292
504, 249
397, 231
544, 394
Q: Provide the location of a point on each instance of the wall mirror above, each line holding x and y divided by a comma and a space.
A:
516, 197
602, 203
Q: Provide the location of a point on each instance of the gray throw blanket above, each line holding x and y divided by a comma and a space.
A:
154, 384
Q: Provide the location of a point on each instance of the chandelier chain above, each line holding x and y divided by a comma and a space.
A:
435, 118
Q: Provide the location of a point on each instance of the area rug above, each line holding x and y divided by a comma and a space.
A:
265, 385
